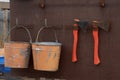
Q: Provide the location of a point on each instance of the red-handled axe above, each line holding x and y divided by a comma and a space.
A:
82, 25
75, 42
95, 26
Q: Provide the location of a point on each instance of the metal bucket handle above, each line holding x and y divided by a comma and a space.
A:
20, 26
41, 30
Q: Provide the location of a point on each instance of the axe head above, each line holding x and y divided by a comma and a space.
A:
83, 25
105, 25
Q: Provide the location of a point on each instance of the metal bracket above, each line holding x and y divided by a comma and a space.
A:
42, 4
105, 25
102, 3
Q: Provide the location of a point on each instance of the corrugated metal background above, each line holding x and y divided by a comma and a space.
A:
62, 13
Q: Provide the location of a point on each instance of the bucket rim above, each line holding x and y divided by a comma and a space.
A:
48, 43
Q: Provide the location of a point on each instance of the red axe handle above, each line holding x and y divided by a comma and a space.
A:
74, 54
96, 45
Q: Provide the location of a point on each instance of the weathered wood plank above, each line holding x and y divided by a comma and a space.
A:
5, 5
5, 23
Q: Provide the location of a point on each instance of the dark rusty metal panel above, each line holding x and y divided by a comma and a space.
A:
61, 13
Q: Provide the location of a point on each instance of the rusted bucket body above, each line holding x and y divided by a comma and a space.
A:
17, 54
1, 52
46, 55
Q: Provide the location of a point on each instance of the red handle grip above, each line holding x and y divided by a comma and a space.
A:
74, 54
96, 45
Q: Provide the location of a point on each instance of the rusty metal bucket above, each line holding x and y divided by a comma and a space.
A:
46, 55
17, 54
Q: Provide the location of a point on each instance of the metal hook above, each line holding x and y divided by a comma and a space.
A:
55, 35
16, 21
46, 22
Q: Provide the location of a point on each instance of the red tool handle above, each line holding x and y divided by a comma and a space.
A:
74, 54
96, 44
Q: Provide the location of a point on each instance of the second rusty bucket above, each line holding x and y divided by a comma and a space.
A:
17, 54
46, 55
